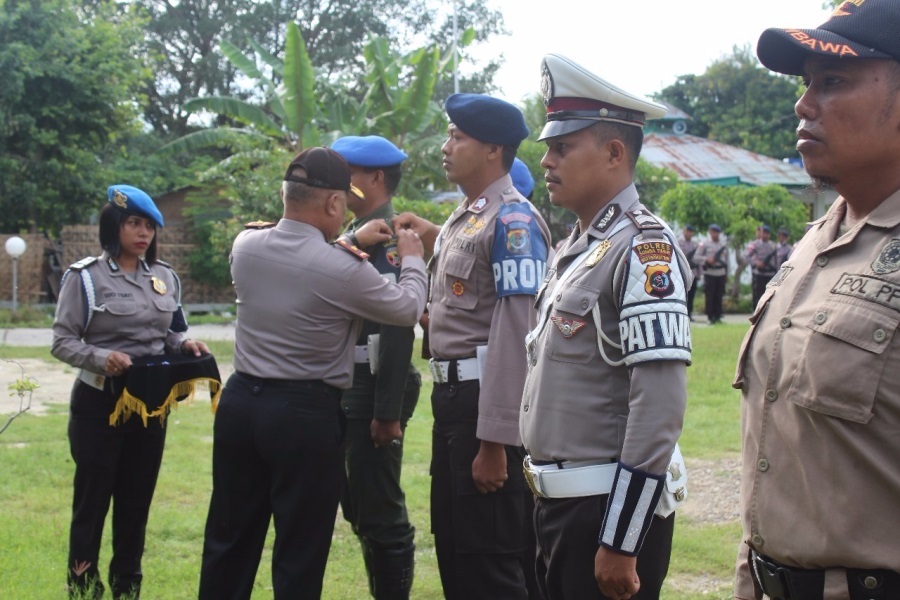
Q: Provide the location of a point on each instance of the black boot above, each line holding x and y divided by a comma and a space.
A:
393, 572
368, 557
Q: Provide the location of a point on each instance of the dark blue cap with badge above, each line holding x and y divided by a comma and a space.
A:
134, 201
576, 98
487, 119
715, 227
859, 29
521, 177
370, 151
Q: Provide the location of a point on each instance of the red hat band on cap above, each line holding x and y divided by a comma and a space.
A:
586, 108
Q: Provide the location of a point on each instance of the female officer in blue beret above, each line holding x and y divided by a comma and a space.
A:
121, 305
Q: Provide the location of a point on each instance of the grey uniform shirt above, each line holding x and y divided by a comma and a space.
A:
818, 371
576, 405
465, 312
709, 248
690, 250
300, 301
129, 315
765, 252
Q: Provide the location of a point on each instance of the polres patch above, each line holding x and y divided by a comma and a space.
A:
519, 252
657, 251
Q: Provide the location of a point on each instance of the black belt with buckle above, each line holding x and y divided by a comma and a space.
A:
779, 582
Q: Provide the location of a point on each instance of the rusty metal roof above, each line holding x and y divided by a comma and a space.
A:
698, 160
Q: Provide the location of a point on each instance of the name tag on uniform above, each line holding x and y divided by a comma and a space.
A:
866, 287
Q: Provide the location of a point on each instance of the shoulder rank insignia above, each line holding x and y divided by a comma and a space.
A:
566, 327
342, 243
643, 219
83, 263
598, 253
159, 286
479, 205
259, 225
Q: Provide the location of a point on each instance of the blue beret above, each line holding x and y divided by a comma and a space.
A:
487, 119
369, 151
134, 201
521, 177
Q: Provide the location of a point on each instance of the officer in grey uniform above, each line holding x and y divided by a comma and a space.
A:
820, 387
784, 246
489, 259
385, 388
606, 391
279, 427
689, 246
763, 260
712, 256
114, 308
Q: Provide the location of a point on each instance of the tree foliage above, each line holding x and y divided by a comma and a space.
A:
68, 91
737, 102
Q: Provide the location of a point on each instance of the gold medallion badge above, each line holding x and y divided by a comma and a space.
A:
120, 199
159, 286
597, 254
458, 288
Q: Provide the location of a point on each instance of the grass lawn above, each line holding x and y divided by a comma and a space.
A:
36, 491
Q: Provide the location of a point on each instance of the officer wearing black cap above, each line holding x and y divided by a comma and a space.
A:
112, 310
488, 261
820, 410
605, 395
712, 256
279, 426
385, 387
784, 246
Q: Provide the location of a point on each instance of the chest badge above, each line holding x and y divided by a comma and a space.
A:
566, 327
597, 254
888, 260
159, 286
458, 288
473, 225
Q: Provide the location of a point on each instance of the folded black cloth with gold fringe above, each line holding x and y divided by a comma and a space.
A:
154, 385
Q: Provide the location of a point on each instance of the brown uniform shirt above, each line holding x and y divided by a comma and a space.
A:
131, 313
818, 370
300, 301
465, 311
576, 405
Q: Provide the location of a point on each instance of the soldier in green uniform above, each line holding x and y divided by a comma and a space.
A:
385, 387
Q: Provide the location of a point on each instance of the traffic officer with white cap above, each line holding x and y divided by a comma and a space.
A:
606, 390
488, 261
385, 387
279, 427
820, 410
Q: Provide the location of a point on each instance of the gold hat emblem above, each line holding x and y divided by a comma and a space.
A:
120, 199
159, 286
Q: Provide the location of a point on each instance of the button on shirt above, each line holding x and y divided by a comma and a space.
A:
301, 301
821, 402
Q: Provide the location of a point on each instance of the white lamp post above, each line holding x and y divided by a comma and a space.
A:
15, 247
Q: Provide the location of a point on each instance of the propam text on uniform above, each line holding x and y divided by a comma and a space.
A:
519, 274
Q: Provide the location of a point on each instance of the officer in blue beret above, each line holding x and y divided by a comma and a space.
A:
489, 260
521, 178
122, 306
385, 385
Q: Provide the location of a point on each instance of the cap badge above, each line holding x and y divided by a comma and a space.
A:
566, 327
120, 199
888, 260
159, 286
458, 288
597, 254
546, 84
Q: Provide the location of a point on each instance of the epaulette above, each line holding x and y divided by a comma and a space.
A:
259, 224
510, 194
644, 220
83, 263
342, 243
163, 263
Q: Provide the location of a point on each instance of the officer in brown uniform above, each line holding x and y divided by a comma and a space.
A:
385, 388
279, 426
489, 260
712, 256
762, 256
820, 484
606, 391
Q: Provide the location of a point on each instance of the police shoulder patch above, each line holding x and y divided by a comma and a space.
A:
519, 251
83, 263
345, 245
644, 219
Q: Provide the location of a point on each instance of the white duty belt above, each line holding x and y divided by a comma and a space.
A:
466, 369
570, 479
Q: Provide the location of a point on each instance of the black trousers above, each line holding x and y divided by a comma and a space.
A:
714, 290
276, 451
481, 540
690, 297
759, 282
567, 531
118, 464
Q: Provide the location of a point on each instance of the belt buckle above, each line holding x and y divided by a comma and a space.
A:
436, 372
530, 478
